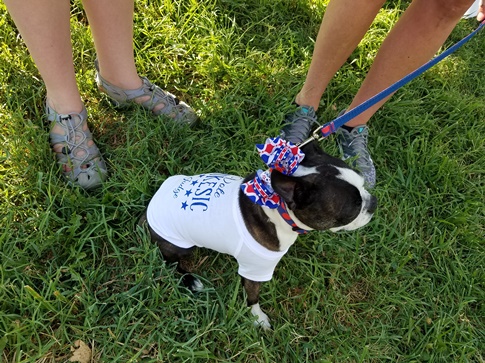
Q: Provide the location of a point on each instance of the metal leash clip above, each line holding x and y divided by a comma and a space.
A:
320, 133
315, 136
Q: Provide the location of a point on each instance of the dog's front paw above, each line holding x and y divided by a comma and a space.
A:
262, 319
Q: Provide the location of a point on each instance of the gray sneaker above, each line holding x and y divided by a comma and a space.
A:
298, 124
353, 144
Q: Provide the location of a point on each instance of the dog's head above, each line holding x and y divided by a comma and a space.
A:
325, 193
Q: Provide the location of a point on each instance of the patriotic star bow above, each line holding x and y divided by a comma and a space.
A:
279, 155
260, 191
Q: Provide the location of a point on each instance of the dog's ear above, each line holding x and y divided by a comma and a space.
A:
284, 185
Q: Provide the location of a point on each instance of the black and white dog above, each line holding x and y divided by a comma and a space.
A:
211, 211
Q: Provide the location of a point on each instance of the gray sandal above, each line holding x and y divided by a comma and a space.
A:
88, 169
177, 110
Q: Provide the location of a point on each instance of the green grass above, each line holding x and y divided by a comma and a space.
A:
409, 287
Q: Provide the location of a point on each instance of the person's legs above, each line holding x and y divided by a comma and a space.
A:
45, 29
416, 37
112, 28
343, 26
111, 23
419, 33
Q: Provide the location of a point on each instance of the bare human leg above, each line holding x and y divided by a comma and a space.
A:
50, 46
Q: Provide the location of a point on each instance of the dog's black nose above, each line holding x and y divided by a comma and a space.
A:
372, 206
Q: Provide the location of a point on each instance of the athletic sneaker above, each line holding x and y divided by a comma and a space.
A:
353, 144
298, 124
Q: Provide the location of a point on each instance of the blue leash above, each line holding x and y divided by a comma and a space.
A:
331, 127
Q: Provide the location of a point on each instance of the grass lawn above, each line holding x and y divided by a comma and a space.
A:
409, 287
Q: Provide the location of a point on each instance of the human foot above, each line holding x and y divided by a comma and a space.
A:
149, 96
71, 140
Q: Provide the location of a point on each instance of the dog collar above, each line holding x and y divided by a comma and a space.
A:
283, 211
260, 191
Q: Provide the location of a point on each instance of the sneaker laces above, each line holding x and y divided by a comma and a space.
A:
356, 143
353, 144
299, 124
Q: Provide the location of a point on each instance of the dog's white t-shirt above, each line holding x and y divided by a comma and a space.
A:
203, 210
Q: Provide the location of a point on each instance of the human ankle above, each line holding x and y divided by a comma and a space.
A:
301, 101
124, 80
64, 106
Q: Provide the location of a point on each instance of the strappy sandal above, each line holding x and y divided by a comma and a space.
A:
173, 108
82, 163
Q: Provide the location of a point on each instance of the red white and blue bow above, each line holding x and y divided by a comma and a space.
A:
280, 155
260, 191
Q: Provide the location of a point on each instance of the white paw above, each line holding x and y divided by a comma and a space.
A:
197, 285
262, 319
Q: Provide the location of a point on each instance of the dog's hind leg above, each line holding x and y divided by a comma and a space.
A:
252, 289
182, 257
175, 255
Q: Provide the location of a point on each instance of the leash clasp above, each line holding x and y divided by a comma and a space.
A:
320, 133
314, 136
